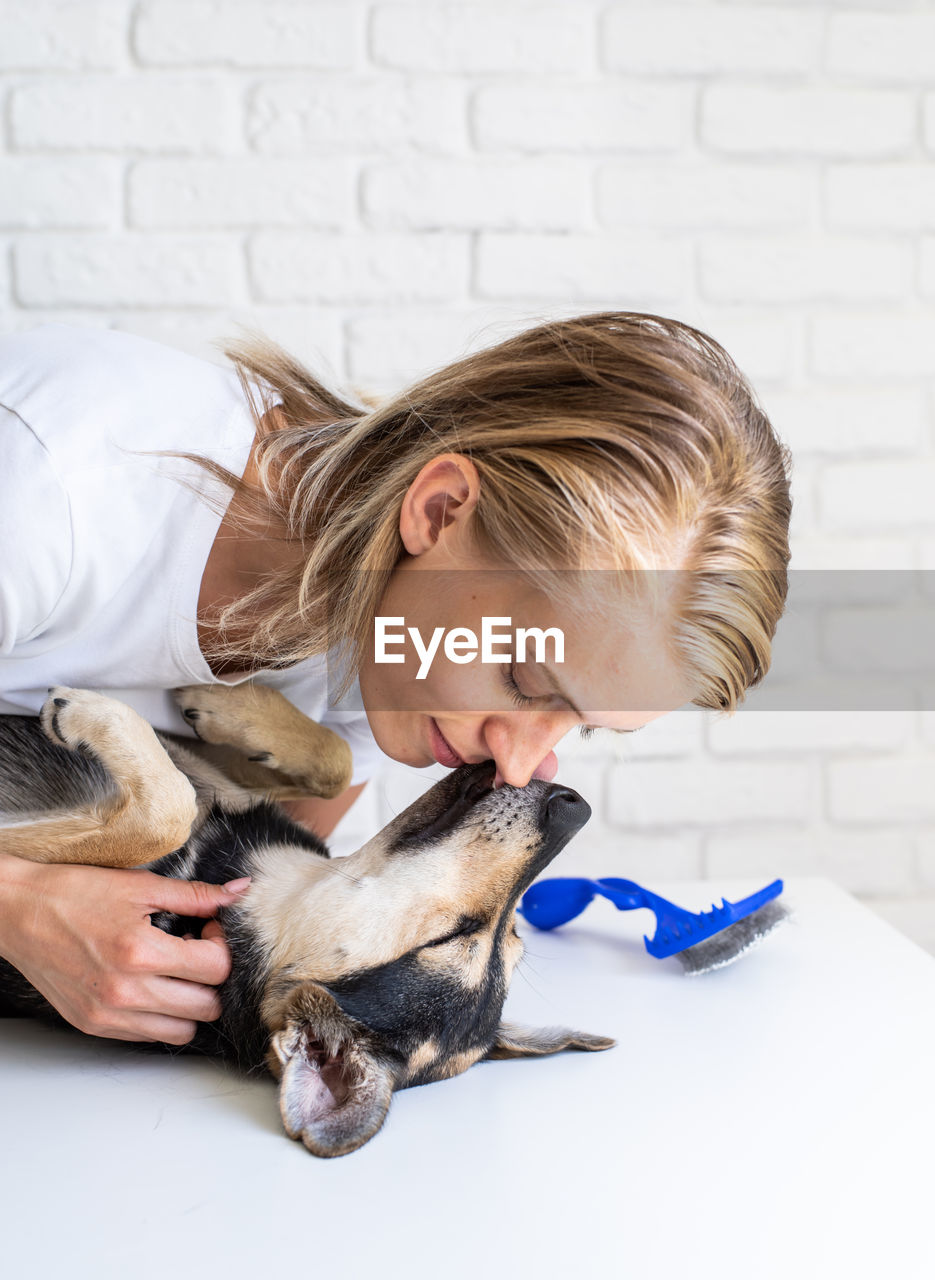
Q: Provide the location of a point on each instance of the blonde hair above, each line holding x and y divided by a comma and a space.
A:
632, 440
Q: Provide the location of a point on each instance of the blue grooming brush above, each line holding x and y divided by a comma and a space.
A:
702, 940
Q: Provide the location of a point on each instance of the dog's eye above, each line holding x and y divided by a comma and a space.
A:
463, 930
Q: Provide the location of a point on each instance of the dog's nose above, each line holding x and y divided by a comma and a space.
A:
565, 810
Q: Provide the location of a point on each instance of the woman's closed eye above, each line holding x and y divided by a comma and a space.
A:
508, 676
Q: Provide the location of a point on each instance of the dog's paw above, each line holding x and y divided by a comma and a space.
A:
328, 774
198, 704
217, 716
71, 717
50, 715
273, 734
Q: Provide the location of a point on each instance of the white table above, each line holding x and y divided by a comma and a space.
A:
773, 1119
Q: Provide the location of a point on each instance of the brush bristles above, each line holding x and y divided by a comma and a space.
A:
730, 944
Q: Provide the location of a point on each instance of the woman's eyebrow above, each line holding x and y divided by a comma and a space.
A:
557, 688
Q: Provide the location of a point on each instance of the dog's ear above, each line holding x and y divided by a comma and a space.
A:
535, 1042
334, 1090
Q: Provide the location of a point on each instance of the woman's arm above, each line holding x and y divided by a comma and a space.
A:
82, 936
322, 816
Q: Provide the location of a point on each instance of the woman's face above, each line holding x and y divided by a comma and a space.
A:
615, 674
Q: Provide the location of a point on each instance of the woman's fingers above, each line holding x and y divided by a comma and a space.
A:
157, 1030
187, 897
204, 960
82, 936
149, 1028
182, 1001
212, 931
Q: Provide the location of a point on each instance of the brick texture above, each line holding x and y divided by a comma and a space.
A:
123, 114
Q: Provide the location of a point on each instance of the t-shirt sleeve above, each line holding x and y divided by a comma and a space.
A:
35, 535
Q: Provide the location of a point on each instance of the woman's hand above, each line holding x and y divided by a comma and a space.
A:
82, 936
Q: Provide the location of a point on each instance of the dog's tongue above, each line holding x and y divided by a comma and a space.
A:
546, 770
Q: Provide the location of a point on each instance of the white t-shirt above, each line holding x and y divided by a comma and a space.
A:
102, 550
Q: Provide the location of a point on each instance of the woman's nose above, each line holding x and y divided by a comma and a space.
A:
521, 745
517, 775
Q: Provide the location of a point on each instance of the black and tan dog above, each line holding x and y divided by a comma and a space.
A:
350, 977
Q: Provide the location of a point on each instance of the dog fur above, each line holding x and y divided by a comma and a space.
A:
351, 977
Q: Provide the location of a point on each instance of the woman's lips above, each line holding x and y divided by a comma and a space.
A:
446, 755
443, 752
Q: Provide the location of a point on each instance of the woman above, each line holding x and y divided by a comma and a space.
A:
611, 476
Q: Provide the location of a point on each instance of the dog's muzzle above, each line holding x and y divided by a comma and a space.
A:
562, 810
559, 811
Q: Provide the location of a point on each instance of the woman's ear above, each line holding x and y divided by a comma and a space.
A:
439, 502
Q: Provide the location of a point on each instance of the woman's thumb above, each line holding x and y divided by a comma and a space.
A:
194, 897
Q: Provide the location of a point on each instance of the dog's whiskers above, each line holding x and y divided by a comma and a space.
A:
338, 871
521, 970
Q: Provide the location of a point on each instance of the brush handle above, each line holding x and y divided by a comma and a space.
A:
626, 895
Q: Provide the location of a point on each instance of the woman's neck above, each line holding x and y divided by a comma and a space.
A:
239, 559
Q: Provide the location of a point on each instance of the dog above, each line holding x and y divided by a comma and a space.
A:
350, 977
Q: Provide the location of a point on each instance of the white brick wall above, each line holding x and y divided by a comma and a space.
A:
468, 192
512, 39
238, 191
122, 113
591, 267
802, 121
58, 35
359, 267
670, 39
218, 34
704, 196
386, 186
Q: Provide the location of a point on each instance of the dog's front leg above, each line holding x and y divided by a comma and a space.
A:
278, 749
146, 813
